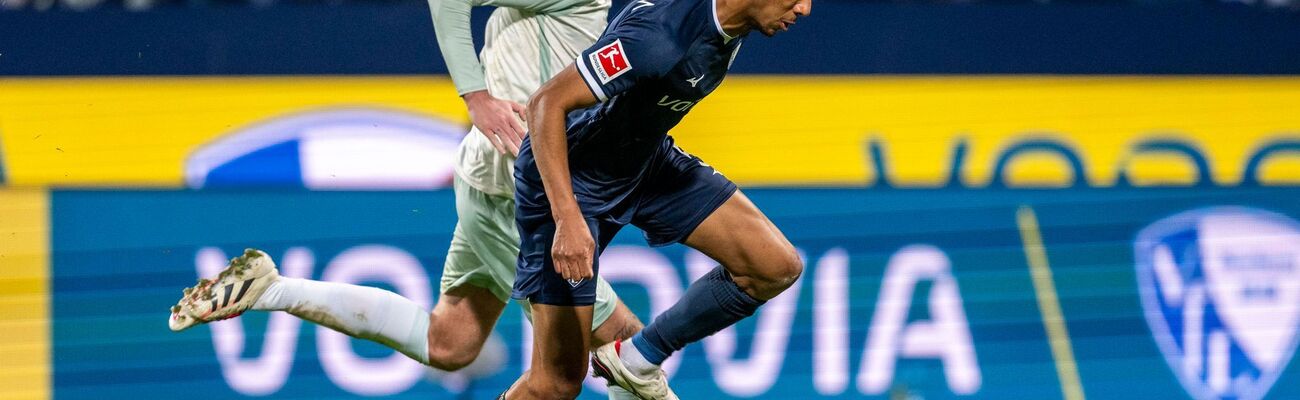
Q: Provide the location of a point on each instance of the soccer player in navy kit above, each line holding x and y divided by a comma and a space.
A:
599, 157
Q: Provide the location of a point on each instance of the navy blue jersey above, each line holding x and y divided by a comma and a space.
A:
655, 61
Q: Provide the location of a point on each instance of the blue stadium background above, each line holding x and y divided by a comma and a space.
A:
117, 253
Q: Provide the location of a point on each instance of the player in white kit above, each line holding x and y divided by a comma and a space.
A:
527, 42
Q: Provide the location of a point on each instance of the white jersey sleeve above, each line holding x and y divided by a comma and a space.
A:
451, 25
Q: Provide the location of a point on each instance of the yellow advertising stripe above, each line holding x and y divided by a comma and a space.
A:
758, 130
1058, 336
814, 129
138, 131
24, 295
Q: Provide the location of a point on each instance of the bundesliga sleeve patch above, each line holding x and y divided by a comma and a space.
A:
609, 62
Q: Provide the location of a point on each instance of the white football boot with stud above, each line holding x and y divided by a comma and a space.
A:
605, 363
232, 292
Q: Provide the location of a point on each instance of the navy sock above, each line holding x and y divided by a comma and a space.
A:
711, 304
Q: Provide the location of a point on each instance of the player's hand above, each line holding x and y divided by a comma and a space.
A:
573, 248
497, 120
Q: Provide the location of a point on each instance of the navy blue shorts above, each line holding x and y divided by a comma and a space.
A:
672, 200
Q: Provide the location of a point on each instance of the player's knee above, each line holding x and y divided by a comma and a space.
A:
778, 272
448, 357
787, 269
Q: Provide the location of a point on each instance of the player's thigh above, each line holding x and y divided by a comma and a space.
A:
747, 243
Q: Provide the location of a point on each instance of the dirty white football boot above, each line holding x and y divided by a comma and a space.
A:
605, 363
231, 293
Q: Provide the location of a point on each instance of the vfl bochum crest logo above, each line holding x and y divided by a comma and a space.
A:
1221, 291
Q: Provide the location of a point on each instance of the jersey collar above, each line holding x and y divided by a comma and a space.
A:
718, 24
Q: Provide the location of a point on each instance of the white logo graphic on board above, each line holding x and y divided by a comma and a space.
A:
354, 148
1221, 292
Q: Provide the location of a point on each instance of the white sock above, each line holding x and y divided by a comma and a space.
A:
634, 361
359, 311
617, 393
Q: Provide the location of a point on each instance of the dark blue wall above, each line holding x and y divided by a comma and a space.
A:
841, 37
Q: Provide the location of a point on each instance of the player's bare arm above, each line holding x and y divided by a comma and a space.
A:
573, 247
